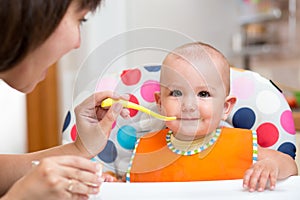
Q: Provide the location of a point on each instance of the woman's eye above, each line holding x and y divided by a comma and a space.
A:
176, 93
82, 20
203, 94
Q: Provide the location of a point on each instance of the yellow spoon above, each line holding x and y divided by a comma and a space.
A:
108, 102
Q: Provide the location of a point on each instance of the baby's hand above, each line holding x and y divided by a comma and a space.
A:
259, 174
109, 177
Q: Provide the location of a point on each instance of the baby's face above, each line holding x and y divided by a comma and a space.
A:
195, 94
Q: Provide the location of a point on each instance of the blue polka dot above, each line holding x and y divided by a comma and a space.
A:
244, 118
109, 153
154, 68
67, 121
126, 137
288, 148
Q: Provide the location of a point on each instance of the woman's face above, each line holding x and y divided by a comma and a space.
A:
33, 69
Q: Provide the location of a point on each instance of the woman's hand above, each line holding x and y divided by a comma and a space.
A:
60, 177
94, 123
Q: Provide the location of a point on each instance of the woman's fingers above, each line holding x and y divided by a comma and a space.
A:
60, 177
78, 162
94, 123
76, 187
75, 174
85, 177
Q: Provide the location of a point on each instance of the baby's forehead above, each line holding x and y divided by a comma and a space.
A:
209, 71
198, 67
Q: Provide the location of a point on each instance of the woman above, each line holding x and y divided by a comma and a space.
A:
34, 35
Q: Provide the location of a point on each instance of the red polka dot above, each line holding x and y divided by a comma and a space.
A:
131, 76
267, 134
133, 99
73, 132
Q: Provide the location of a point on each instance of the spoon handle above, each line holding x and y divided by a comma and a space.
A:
108, 102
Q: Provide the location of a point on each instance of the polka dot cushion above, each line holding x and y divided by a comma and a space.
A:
260, 106
140, 84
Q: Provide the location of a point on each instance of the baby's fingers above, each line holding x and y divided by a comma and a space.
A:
263, 179
273, 179
246, 179
251, 178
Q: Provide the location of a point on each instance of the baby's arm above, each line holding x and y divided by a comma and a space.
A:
271, 166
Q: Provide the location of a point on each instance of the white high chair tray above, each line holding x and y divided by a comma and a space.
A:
288, 189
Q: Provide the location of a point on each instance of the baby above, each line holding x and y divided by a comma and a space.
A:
195, 87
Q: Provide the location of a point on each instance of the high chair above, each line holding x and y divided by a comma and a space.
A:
260, 106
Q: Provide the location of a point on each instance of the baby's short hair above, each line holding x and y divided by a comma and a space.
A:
198, 50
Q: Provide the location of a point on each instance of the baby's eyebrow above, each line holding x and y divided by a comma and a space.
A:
207, 87
172, 85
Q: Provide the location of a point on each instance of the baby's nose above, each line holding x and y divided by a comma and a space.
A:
189, 106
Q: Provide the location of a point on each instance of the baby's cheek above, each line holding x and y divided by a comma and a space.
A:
174, 110
173, 125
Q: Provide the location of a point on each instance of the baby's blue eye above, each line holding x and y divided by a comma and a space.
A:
204, 94
176, 93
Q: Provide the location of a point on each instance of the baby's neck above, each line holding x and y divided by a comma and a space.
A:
191, 144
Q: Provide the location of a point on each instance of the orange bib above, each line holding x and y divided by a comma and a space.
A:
229, 158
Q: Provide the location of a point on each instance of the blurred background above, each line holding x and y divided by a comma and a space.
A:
260, 35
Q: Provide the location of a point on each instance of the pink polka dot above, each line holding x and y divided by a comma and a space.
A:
148, 89
133, 99
107, 83
267, 134
73, 132
131, 76
243, 87
287, 122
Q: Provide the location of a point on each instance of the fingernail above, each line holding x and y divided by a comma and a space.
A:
117, 107
95, 190
99, 170
125, 96
100, 179
99, 167
115, 96
35, 163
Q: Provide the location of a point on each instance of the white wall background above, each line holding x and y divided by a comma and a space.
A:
211, 21
12, 120
107, 22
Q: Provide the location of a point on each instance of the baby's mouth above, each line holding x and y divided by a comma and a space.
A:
188, 118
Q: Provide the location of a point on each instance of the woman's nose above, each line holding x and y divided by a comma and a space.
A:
77, 42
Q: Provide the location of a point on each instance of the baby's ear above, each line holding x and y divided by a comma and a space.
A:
157, 98
228, 106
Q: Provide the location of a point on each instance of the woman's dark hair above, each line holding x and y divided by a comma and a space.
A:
26, 24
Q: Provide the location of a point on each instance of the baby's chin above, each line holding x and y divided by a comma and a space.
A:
189, 134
